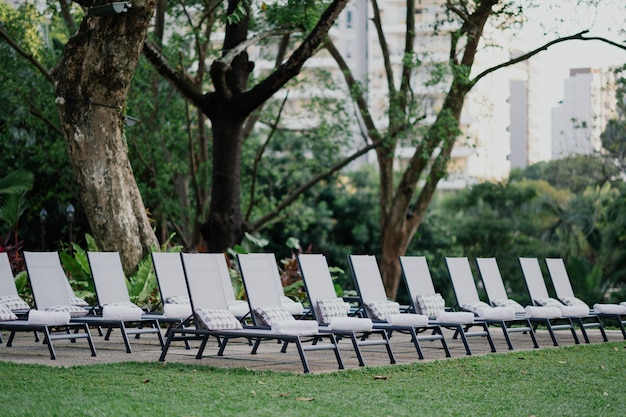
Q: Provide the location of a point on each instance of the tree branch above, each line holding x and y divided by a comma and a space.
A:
228, 57
577, 36
254, 97
29, 57
178, 79
309, 184
257, 158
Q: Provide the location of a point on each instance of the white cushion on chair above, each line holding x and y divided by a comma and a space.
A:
6, 314
121, 312
293, 307
461, 317
407, 319
543, 312
271, 315
296, 327
355, 324
575, 311
507, 302
379, 310
214, 319
496, 313
609, 309
475, 306
573, 301
75, 311
430, 304
238, 307
180, 311
48, 318
331, 308
13, 302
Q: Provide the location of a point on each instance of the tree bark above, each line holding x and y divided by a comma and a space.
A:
92, 82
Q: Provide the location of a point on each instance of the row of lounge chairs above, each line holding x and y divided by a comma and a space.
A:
198, 304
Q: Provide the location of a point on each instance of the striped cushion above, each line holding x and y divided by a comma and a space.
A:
380, 310
217, 319
6, 314
272, 315
430, 304
13, 302
330, 308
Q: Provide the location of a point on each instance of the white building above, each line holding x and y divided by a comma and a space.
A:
589, 102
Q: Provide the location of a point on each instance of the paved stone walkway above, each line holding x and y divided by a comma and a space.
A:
237, 354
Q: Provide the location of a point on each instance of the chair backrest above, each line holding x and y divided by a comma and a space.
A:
318, 283
259, 272
170, 275
204, 272
108, 277
462, 280
492, 279
534, 279
417, 277
47, 279
560, 278
7, 281
367, 278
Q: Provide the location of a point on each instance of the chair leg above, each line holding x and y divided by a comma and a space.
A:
416, 342
49, 340
357, 349
532, 334
305, 365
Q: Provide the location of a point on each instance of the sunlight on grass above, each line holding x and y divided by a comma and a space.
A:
577, 380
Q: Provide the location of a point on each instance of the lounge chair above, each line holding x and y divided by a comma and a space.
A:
387, 314
331, 312
468, 300
114, 309
425, 300
204, 276
54, 322
549, 317
565, 293
9, 297
539, 295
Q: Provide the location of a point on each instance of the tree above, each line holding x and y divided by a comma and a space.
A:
403, 204
232, 99
91, 83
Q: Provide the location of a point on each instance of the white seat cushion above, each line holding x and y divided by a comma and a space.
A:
238, 307
296, 327
48, 318
180, 311
609, 309
122, 312
543, 312
413, 320
460, 317
575, 311
355, 324
293, 307
496, 313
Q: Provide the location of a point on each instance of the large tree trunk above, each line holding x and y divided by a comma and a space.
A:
92, 82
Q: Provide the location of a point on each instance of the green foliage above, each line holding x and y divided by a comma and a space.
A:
76, 265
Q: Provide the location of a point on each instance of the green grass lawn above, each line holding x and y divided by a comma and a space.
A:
567, 381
